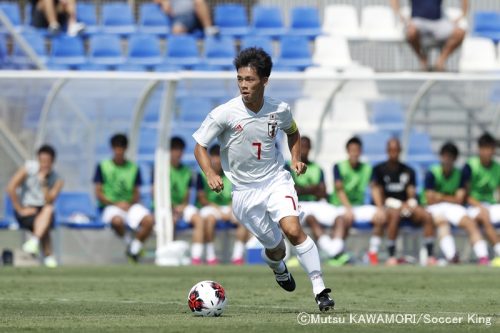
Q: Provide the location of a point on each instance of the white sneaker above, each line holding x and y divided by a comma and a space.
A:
74, 29
50, 262
31, 246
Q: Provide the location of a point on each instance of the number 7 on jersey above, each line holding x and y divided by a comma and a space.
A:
259, 148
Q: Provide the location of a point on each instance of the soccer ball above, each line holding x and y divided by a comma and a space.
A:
207, 299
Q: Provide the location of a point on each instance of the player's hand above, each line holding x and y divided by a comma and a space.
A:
27, 211
123, 205
299, 167
349, 215
215, 182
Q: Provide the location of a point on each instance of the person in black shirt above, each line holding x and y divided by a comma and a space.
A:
394, 186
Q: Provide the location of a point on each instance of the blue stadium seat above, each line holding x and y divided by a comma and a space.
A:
13, 12
220, 51
71, 204
420, 144
208, 68
148, 138
194, 109
182, 50
388, 115
8, 211
37, 43
68, 51
117, 18
144, 50
305, 22
295, 52
167, 68
263, 42
86, 13
487, 25
374, 145
57, 67
3, 52
232, 20
105, 50
131, 68
268, 21
93, 67
284, 68
152, 20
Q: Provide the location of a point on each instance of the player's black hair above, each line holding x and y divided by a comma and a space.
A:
449, 148
486, 140
354, 140
256, 58
176, 142
214, 150
47, 149
119, 140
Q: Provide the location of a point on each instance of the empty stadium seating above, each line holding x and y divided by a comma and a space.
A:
232, 20
268, 21
305, 22
153, 21
105, 50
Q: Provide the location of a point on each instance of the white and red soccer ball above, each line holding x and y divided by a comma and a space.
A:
207, 299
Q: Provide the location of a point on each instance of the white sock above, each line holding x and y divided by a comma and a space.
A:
276, 266
447, 244
135, 246
35, 239
308, 256
496, 247
127, 238
375, 242
210, 251
238, 250
480, 249
196, 250
336, 246
324, 242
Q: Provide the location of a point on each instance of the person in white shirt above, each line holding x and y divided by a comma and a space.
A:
264, 197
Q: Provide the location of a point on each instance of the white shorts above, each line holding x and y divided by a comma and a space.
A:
188, 212
217, 212
133, 217
322, 211
451, 212
260, 207
439, 30
493, 209
364, 213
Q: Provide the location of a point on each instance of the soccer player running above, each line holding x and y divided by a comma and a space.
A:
394, 186
481, 178
264, 197
445, 198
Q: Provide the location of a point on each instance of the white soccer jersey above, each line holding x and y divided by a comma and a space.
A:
247, 139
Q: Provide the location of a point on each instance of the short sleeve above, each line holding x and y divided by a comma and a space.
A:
377, 176
287, 124
200, 186
209, 130
336, 173
98, 179
466, 175
138, 178
430, 181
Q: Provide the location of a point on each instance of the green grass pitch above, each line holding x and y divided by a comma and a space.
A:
148, 298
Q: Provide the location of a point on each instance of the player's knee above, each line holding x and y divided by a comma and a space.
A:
412, 33
294, 233
117, 222
147, 222
277, 253
443, 229
48, 208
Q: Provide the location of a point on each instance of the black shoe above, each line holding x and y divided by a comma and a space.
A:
324, 301
285, 280
133, 258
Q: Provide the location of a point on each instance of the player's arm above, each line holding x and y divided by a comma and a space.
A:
376, 189
14, 183
466, 184
339, 188
293, 137
201, 196
98, 190
396, 7
213, 179
51, 194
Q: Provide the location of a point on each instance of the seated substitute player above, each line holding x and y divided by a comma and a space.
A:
481, 179
264, 197
34, 208
117, 183
352, 178
217, 207
318, 213
445, 198
394, 187
181, 182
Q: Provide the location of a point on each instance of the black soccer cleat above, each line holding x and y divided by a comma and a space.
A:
325, 302
285, 280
